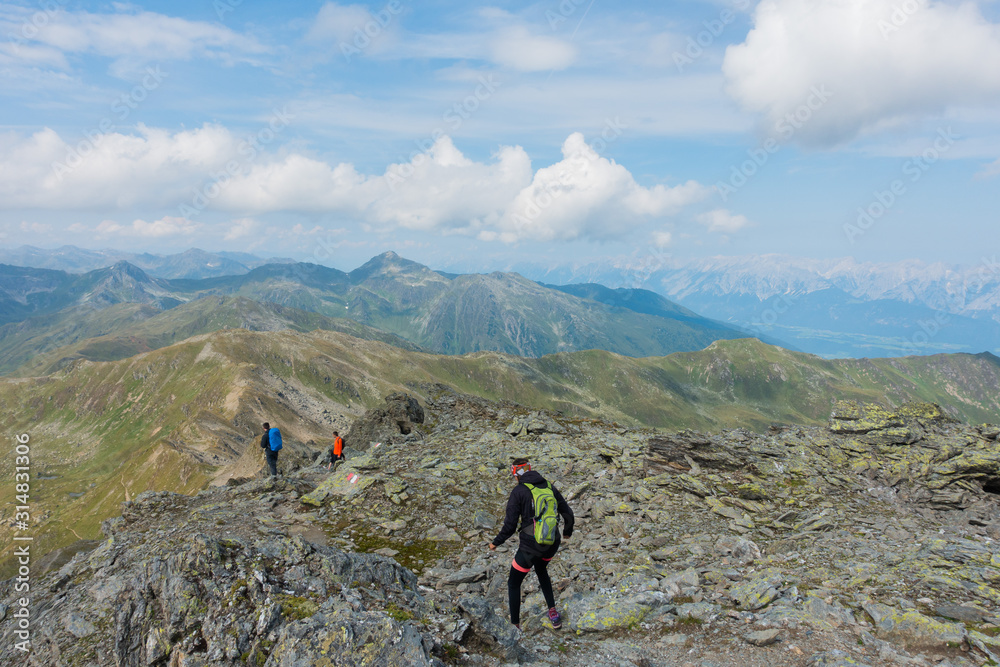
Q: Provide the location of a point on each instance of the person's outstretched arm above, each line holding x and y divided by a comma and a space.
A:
510, 520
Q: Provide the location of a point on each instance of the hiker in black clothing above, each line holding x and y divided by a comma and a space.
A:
521, 506
272, 456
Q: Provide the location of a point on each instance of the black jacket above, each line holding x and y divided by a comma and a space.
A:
521, 507
265, 443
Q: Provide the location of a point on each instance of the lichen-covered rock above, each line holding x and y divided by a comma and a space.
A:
345, 482
597, 613
756, 593
366, 639
834, 658
913, 628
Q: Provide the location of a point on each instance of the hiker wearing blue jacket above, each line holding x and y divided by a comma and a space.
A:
266, 443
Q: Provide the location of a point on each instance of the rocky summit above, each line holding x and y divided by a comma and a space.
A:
870, 541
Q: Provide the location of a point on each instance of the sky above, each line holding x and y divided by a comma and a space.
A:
552, 131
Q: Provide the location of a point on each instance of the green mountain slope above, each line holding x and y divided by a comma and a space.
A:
43, 344
181, 416
448, 314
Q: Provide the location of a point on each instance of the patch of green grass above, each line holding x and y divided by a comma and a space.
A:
296, 607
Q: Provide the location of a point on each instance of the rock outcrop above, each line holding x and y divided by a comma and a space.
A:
394, 423
854, 544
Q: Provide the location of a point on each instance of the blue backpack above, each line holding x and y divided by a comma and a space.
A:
274, 438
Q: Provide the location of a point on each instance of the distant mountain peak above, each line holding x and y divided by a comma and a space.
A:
387, 263
124, 268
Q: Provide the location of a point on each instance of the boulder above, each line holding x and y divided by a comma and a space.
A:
597, 613
395, 422
755, 593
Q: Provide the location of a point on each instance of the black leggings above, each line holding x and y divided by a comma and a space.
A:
518, 571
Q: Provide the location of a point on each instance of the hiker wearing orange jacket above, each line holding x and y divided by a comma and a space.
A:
338, 450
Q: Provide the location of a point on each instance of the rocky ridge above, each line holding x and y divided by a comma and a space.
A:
869, 542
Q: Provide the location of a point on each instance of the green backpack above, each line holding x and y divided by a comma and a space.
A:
546, 516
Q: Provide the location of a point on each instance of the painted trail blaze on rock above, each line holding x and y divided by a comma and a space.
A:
345, 482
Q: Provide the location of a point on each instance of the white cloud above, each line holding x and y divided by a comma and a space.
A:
353, 30
35, 227
442, 191
662, 239
144, 35
518, 49
884, 62
990, 170
241, 228
164, 227
722, 221
338, 22
586, 195
45, 171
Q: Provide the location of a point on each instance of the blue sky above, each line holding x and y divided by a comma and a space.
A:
553, 131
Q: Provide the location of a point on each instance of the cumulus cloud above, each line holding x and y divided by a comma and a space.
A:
583, 195
883, 62
722, 221
519, 49
586, 195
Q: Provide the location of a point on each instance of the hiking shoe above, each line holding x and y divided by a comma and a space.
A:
555, 618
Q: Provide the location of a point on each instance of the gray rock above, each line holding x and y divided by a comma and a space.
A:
763, 637
464, 576
706, 612
834, 658
599, 613
380, 639
957, 612
484, 521
442, 533
756, 593
77, 625
487, 625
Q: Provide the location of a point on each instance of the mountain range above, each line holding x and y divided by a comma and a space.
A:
833, 308
193, 263
51, 317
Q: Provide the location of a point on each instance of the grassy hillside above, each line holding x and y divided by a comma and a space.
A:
43, 344
178, 417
